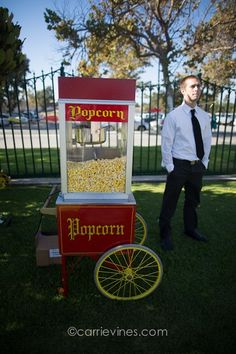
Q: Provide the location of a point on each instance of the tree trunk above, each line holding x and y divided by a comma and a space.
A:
168, 86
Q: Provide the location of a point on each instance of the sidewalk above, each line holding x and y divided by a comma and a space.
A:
135, 179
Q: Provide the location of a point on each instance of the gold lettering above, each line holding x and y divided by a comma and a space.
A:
73, 228
83, 230
76, 229
76, 112
84, 113
120, 229
72, 111
97, 228
112, 227
91, 231
120, 115
105, 113
105, 230
91, 113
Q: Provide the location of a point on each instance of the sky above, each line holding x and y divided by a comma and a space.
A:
40, 44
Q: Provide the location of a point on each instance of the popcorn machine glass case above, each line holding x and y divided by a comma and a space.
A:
96, 137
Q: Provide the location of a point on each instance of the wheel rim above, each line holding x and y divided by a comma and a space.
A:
140, 230
128, 272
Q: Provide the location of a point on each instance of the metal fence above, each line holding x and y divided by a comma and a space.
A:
29, 139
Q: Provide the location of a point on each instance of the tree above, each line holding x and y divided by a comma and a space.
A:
44, 98
214, 43
153, 29
102, 60
12, 61
98, 57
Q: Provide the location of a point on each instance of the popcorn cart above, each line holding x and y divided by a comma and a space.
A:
96, 210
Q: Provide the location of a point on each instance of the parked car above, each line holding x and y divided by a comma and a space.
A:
18, 118
158, 124
4, 122
225, 118
51, 117
140, 123
149, 121
31, 115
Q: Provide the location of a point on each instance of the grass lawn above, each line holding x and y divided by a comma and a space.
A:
195, 301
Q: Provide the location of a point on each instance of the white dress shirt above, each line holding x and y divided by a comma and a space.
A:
178, 139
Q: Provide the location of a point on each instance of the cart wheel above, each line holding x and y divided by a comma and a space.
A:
128, 272
140, 230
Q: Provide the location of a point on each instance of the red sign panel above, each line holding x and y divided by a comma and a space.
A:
97, 88
93, 229
96, 112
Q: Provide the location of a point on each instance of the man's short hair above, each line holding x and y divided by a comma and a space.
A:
184, 79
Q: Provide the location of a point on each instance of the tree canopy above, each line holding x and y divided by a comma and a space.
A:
121, 36
214, 44
12, 61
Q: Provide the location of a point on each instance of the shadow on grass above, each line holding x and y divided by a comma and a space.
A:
194, 303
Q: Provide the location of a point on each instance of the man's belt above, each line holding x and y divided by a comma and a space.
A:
193, 162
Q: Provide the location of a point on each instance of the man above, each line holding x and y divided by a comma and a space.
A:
186, 143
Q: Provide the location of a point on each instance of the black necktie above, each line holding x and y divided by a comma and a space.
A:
197, 135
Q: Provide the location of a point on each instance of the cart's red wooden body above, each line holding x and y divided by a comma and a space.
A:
93, 229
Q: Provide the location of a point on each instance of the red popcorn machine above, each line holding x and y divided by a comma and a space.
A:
96, 210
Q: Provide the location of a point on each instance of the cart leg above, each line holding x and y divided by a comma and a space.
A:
64, 276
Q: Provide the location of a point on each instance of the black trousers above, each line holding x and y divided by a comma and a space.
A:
185, 175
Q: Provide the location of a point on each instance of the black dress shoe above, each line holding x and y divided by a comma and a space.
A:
166, 244
195, 234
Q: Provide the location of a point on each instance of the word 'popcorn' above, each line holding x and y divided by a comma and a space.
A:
75, 228
105, 175
76, 111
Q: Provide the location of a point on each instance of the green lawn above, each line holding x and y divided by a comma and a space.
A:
195, 301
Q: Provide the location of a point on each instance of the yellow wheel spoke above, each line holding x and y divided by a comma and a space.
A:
135, 255
145, 280
138, 288
120, 257
124, 256
105, 276
144, 276
141, 266
147, 261
114, 264
113, 284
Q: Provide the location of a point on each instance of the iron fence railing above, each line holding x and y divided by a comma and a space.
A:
29, 143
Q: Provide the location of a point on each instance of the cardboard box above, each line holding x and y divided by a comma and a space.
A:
47, 251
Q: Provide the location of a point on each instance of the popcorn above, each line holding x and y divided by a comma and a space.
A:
104, 175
